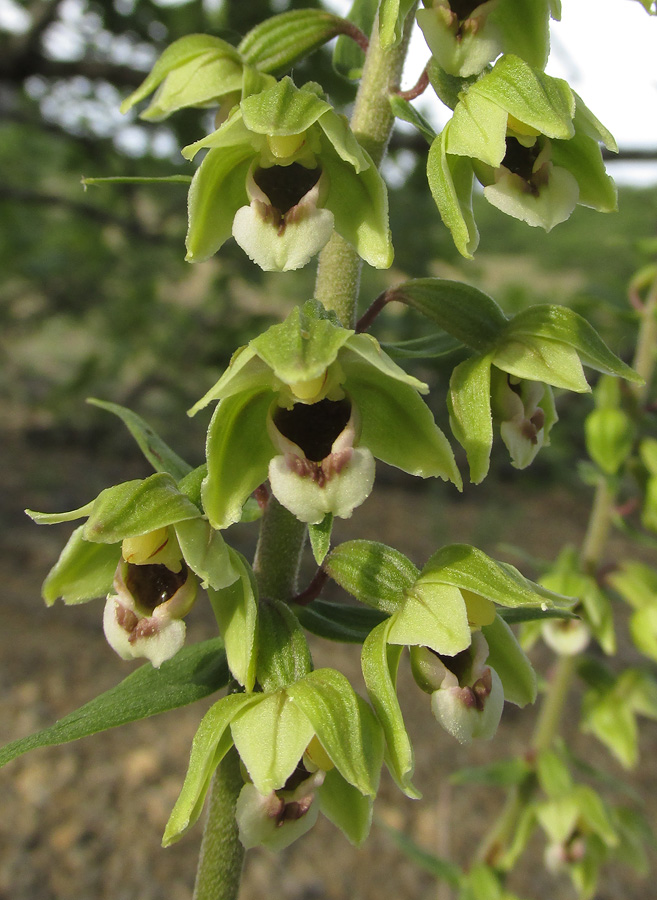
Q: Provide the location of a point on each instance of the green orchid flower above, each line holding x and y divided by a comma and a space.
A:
530, 141
309, 405
280, 175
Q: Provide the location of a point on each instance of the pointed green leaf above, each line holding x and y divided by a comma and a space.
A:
82, 572
194, 673
461, 310
558, 323
137, 507
371, 572
433, 615
238, 451
345, 726
236, 610
320, 538
345, 807
380, 663
276, 44
206, 553
156, 451
451, 180
55, 518
470, 415
283, 653
338, 621
405, 111
510, 662
211, 743
271, 738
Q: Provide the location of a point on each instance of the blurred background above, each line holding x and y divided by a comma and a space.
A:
96, 300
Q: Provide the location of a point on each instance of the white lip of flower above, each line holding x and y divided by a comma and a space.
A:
277, 819
522, 428
134, 630
280, 239
337, 483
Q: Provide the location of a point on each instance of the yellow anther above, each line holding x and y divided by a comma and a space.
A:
284, 145
481, 610
309, 390
318, 755
140, 550
521, 127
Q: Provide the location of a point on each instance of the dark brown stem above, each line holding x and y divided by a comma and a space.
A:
419, 88
373, 311
313, 590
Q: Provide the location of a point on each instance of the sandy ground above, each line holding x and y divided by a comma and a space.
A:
85, 820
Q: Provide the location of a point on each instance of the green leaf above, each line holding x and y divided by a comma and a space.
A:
433, 615
137, 507
283, 653
461, 310
405, 111
238, 451
345, 807
320, 537
276, 44
505, 773
345, 726
429, 347
338, 621
206, 553
558, 323
451, 180
380, 663
236, 610
470, 416
194, 673
428, 862
510, 662
469, 568
212, 741
610, 718
82, 572
371, 572
271, 738
156, 451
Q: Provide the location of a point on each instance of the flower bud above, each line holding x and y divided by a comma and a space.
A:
525, 413
461, 36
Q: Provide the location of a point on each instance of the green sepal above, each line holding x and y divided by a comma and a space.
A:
581, 157
222, 174
204, 49
504, 773
373, 573
276, 44
536, 358
470, 415
206, 553
365, 348
211, 743
303, 346
510, 662
392, 15
82, 572
478, 129
461, 310
137, 179
137, 507
448, 87
526, 30
320, 538
345, 807
380, 661
271, 737
433, 615
405, 111
563, 325
348, 57
345, 726
283, 109
339, 621
416, 444
451, 181
236, 610
156, 451
283, 652
194, 673
238, 451
468, 568
56, 518
609, 438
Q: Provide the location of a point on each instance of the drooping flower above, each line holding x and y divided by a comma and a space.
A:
310, 404
280, 175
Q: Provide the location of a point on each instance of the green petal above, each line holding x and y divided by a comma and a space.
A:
246, 372
217, 191
206, 553
539, 359
581, 156
478, 129
283, 652
398, 427
345, 807
366, 348
470, 414
510, 662
238, 452
202, 82
341, 137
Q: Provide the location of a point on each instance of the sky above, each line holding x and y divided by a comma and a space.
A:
605, 49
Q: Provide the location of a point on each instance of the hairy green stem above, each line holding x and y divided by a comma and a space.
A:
338, 275
222, 854
276, 563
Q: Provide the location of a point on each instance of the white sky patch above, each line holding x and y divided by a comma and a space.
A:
13, 18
